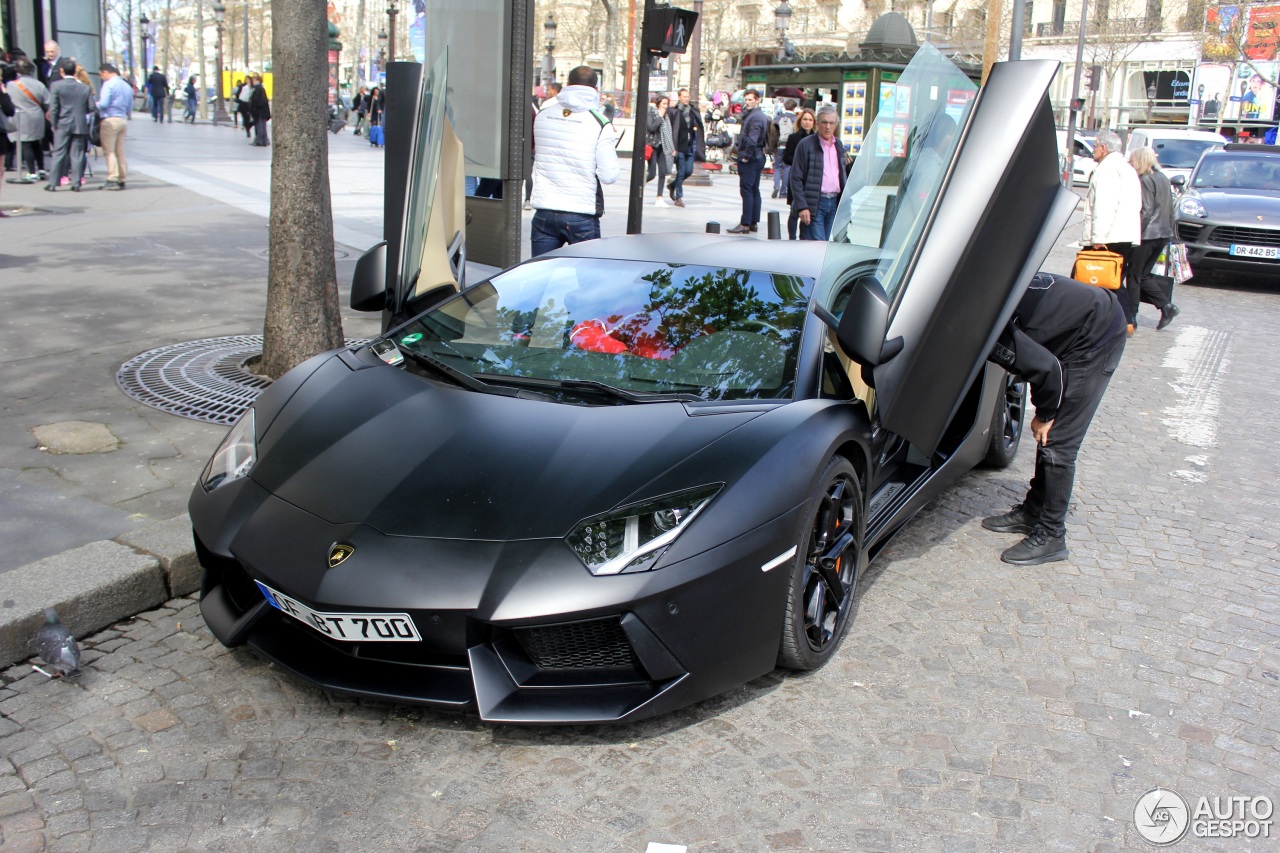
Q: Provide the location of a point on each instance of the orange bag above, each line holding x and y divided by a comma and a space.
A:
1100, 268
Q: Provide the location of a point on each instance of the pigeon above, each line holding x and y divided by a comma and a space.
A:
56, 647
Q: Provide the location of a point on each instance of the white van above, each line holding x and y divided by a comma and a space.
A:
1178, 148
1082, 146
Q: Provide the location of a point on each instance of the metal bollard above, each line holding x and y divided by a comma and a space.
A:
713, 227
775, 225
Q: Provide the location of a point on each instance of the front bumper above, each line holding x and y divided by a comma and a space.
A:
517, 632
1209, 246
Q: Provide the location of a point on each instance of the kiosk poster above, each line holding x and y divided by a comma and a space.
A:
853, 114
884, 139
886, 99
902, 101
958, 101
898, 141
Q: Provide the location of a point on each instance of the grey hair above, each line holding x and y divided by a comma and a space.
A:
1144, 160
823, 109
1111, 139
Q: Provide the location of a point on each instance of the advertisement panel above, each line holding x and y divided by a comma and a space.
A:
1261, 32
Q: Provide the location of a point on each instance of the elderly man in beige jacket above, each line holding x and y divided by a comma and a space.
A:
1113, 211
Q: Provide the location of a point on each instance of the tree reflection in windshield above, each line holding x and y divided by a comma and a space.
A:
650, 328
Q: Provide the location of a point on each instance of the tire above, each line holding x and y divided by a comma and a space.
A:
1006, 423
815, 621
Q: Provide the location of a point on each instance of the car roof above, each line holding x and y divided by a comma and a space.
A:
788, 257
1251, 148
1177, 133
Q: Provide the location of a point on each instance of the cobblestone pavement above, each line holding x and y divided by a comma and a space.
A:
974, 706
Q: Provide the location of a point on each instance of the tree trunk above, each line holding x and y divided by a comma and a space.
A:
302, 288
608, 80
203, 100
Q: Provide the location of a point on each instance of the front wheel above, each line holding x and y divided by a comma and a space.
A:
823, 574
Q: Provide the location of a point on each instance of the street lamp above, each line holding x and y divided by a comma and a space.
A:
392, 11
382, 50
782, 22
1151, 100
219, 107
549, 61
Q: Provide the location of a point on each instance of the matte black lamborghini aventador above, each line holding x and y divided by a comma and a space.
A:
631, 474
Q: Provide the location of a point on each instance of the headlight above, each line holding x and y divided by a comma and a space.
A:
1192, 207
234, 457
632, 539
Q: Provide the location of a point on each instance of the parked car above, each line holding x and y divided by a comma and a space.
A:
1082, 146
638, 471
1178, 148
1229, 213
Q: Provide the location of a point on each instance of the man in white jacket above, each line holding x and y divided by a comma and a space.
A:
574, 152
1113, 211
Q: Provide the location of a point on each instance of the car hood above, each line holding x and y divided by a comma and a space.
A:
411, 457
1245, 204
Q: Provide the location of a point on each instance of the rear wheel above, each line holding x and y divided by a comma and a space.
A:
1006, 423
823, 574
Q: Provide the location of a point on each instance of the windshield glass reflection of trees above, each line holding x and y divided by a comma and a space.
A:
1230, 172
713, 333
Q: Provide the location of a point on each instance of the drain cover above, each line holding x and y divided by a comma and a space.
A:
204, 380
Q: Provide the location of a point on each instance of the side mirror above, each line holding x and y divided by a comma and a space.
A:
1178, 181
860, 330
369, 281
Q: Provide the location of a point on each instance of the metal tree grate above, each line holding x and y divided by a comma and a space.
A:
203, 380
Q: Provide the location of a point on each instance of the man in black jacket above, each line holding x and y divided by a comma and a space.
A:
818, 172
158, 87
686, 132
755, 129
1065, 339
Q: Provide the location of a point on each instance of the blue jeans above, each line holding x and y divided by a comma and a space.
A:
781, 171
157, 109
684, 168
819, 227
749, 188
552, 229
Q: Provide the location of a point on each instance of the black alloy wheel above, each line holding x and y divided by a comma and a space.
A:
825, 570
1006, 423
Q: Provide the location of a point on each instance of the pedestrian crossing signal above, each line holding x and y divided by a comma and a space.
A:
667, 31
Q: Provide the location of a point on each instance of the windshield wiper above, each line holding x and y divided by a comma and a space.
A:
590, 385
463, 379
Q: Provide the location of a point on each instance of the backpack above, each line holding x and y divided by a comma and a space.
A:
786, 124
771, 138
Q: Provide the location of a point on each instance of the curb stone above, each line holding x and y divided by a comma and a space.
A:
98, 584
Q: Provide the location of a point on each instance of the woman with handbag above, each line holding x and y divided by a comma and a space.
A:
806, 121
1158, 228
658, 145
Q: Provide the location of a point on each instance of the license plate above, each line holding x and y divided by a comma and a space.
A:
352, 627
1270, 252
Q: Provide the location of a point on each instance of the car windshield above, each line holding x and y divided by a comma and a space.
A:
1181, 153
642, 327
1238, 172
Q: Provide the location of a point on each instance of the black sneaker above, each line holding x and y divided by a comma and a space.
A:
1016, 520
1039, 547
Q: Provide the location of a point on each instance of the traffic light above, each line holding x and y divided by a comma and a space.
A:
1093, 78
1077, 104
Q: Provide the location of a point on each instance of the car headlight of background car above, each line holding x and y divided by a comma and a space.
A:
631, 539
234, 457
1191, 206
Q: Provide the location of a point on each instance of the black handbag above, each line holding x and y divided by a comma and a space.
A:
95, 129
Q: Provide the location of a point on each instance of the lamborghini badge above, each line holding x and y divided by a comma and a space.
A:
339, 552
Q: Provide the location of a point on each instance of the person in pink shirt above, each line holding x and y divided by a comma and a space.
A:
818, 172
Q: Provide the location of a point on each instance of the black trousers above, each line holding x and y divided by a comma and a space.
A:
1144, 258
1131, 289
1086, 380
749, 188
